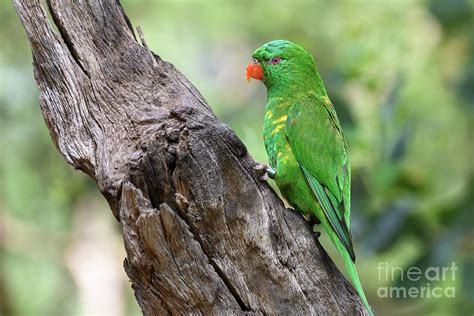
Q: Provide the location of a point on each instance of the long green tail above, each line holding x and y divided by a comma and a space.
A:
351, 268
328, 212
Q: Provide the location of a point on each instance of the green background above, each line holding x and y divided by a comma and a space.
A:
401, 76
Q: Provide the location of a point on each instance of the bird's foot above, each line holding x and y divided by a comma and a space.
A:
266, 171
316, 235
313, 220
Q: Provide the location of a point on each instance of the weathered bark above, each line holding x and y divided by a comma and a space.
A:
202, 233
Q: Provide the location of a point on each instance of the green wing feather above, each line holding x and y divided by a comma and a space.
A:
316, 140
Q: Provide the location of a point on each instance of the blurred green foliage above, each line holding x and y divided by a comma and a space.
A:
400, 73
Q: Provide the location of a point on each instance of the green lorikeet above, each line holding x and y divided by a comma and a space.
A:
305, 145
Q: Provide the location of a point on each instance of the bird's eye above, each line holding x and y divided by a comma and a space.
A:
275, 60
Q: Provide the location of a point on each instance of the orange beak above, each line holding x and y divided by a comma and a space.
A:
254, 70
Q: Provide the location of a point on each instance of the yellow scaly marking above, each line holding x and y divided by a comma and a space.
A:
280, 120
282, 157
277, 129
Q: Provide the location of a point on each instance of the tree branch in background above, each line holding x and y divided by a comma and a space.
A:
202, 233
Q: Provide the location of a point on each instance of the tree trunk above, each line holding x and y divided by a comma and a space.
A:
203, 234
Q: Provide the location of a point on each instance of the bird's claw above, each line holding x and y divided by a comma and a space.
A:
265, 170
260, 167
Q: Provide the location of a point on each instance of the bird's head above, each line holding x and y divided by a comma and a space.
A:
282, 64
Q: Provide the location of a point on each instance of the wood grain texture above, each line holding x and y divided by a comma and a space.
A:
203, 234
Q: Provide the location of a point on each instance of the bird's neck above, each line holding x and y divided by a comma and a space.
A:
282, 97
294, 88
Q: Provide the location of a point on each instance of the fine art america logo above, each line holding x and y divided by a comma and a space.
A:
425, 281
